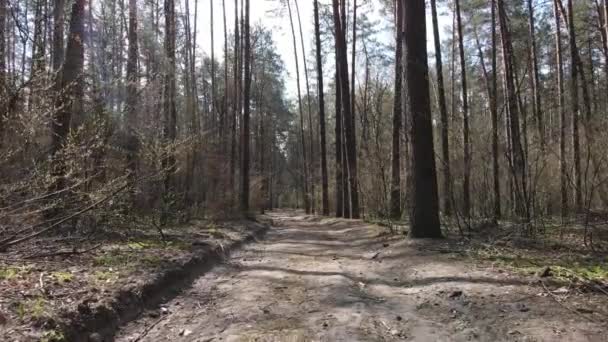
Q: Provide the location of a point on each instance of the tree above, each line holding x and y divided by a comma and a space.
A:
397, 114
425, 209
494, 110
536, 103
348, 120
562, 112
169, 107
69, 81
574, 88
305, 167
465, 117
246, 113
443, 112
3, 71
518, 165
321, 95
236, 104
132, 85
311, 144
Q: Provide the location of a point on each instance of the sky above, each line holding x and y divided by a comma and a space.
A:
264, 11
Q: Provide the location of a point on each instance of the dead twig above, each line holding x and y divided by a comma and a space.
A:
574, 311
148, 329
63, 253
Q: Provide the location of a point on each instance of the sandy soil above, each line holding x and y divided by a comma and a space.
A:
317, 279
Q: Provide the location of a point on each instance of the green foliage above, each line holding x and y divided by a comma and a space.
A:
63, 277
36, 309
562, 267
10, 273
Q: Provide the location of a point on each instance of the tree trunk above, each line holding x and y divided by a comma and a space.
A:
445, 142
494, 110
69, 87
225, 114
235, 109
169, 106
349, 134
306, 197
574, 69
68, 82
425, 209
3, 70
562, 113
536, 103
519, 163
395, 210
132, 85
321, 94
311, 165
246, 113
339, 146
465, 117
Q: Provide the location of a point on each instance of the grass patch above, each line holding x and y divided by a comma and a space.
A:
108, 276
62, 277
10, 273
565, 267
36, 308
141, 245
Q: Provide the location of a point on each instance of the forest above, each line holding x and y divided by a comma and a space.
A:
136, 137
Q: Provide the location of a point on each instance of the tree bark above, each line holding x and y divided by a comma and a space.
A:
306, 198
321, 95
519, 163
465, 117
132, 85
395, 209
169, 106
3, 70
349, 134
562, 113
425, 209
235, 109
311, 165
246, 112
443, 111
494, 110
70, 74
574, 70
536, 103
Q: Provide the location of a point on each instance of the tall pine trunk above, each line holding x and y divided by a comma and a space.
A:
518, 158
348, 124
132, 85
536, 103
576, 148
311, 164
465, 117
425, 209
305, 168
324, 181
562, 112
169, 106
246, 112
443, 111
494, 110
397, 114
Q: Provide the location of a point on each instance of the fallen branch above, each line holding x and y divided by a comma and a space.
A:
64, 253
55, 225
148, 329
574, 311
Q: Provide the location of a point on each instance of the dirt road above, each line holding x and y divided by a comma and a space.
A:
317, 279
